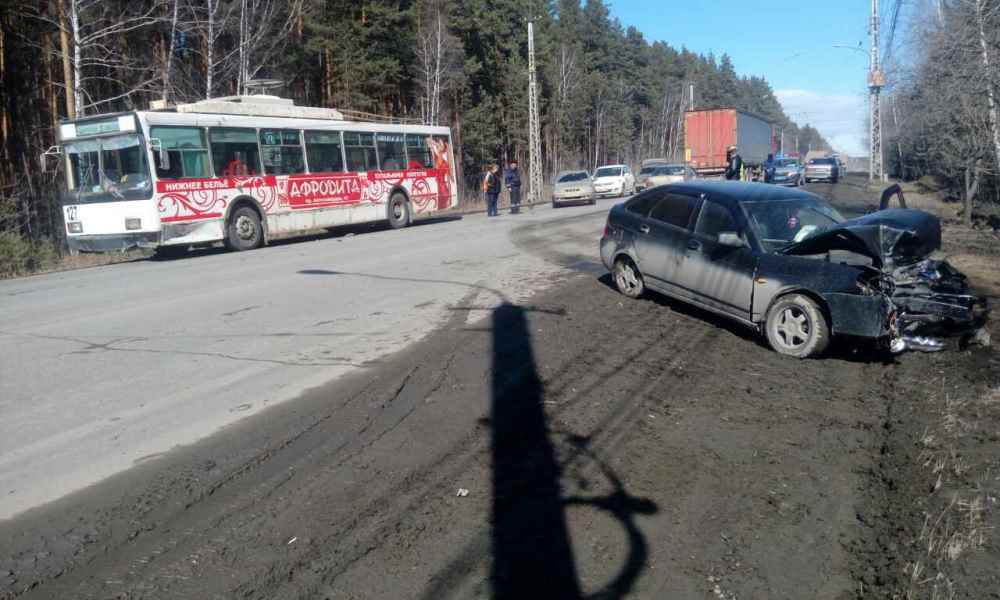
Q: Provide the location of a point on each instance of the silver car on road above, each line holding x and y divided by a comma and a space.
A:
573, 187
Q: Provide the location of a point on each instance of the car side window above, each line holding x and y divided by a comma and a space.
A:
642, 203
674, 209
714, 219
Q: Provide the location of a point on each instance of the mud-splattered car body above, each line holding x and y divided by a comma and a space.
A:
740, 249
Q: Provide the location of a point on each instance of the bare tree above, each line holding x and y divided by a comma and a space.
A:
171, 48
264, 28
95, 32
985, 17
439, 55
567, 83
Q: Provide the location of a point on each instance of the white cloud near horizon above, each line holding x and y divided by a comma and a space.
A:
840, 118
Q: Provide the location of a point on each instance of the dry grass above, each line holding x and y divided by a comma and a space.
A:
957, 524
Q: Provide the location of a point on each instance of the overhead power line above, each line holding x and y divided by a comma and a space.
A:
892, 29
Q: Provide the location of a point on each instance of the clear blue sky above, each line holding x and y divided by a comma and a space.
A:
788, 43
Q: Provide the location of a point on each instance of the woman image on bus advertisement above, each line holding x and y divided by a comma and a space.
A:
440, 154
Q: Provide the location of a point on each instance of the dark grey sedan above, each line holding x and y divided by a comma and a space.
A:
787, 264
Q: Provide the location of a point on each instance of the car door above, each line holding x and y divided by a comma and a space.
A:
717, 275
663, 235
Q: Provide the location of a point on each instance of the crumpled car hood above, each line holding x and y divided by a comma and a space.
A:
889, 237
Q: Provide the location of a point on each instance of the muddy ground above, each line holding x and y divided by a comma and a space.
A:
579, 445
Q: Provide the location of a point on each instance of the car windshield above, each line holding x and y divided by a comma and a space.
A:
780, 222
669, 170
108, 166
578, 176
608, 172
787, 162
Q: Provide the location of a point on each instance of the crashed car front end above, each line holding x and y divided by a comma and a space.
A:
921, 298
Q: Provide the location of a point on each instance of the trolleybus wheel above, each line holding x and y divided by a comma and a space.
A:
399, 211
243, 232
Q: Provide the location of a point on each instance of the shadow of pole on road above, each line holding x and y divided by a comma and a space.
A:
532, 557
531, 544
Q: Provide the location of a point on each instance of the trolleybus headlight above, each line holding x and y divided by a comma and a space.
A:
131, 224
75, 227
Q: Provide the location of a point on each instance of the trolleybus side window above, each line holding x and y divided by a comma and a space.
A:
391, 151
281, 150
234, 152
418, 152
324, 152
360, 149
187, 149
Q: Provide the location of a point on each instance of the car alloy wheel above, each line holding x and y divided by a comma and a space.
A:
628, 280
796, 327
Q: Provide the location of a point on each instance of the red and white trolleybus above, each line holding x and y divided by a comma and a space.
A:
242, 170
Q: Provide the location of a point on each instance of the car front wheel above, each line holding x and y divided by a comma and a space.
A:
628, 279
796, 327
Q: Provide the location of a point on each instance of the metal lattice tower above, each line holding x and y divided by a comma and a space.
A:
534, 130
875, 82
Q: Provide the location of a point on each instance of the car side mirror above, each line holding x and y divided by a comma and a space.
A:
162, 156
731, 239
44, 156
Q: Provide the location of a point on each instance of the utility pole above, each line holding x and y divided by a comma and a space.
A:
875, 82
534, 128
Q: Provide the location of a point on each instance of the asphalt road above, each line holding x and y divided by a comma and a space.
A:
106, 368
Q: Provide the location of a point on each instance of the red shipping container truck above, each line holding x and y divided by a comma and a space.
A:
707, 134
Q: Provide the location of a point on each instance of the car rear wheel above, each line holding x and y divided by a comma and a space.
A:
628, 279
796, 327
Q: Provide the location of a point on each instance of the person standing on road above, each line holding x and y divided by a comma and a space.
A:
491, 185
734, 164
512, 179
769, 167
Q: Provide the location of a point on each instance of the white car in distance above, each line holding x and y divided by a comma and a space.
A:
666, 174
573, 187
614, 180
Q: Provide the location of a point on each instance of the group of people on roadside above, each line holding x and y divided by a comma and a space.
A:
492, 187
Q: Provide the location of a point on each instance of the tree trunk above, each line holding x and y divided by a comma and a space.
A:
972, 175
456, 142
52, 95
170, 48
210, 47
328, 76
994, 117
74, 19
68, 84
4, 108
